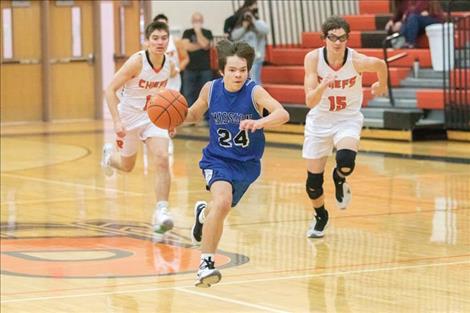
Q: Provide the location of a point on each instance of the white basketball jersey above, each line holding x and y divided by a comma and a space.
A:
343, 97
174, 83
135, 91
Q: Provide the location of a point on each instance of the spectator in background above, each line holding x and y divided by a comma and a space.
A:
198, 41
394, 24
231, 21
251, 29
415, 15
177, 55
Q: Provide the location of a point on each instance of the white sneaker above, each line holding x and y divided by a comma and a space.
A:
317, 227
346, 196
196, 230
162, 221
342, 191
207, 275
107, 152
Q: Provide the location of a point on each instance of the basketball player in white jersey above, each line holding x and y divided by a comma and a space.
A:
333, 89
141, 77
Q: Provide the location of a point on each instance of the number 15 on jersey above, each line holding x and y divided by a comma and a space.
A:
337, 103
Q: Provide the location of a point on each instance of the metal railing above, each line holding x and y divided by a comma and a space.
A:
386, 44
456, 80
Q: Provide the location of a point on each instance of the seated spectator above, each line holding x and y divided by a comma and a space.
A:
394, 24
416, 15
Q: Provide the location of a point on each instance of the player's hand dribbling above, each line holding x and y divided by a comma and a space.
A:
119, 129
252, 125
378, 90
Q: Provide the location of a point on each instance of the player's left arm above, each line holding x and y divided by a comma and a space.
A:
277, 114
364, 63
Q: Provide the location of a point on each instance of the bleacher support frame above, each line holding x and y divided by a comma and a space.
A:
455, 79
386, 44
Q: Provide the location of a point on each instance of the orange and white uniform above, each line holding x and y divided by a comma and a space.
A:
338, 114
133, 98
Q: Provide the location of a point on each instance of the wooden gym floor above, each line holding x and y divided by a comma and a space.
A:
73, 240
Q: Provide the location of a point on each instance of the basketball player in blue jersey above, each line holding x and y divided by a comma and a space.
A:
143, 75
333, 89
231, 161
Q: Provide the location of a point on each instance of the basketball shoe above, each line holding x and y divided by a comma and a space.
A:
162, 220
207, 274
196, 230
317, 226
107, 151
343, 193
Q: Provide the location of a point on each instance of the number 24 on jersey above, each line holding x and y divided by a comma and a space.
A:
225, 138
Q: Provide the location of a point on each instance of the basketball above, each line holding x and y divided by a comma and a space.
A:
167, 109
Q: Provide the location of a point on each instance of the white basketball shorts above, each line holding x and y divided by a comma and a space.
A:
322, 133
138, 128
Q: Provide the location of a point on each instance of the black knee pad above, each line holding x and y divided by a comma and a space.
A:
345, 159
314, 185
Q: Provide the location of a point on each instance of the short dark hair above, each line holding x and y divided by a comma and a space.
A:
155, 25
160, 17
248, 3
334, 22
241, 49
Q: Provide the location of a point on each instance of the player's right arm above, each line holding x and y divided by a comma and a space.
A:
197, 110
131, 68
313, 89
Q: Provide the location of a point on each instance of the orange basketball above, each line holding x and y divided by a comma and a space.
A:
167, 109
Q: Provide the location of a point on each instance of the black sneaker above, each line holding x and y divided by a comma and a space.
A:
318, 226
343, 193
196, 231
207, 274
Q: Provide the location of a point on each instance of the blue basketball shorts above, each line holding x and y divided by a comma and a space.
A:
239, 174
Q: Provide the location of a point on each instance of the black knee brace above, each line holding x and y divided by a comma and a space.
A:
345, 161
314, 185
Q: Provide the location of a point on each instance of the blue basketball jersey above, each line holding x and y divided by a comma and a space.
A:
226, 110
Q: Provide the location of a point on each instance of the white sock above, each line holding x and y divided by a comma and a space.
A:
162, 204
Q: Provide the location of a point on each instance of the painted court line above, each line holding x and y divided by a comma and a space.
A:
352, 272
72, 199
276, 272
248, 304
69, 184
86, 186
241, 282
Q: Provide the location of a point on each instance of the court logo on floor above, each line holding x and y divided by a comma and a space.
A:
99, 249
